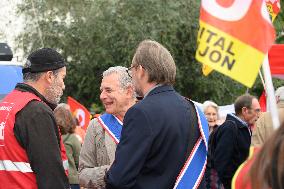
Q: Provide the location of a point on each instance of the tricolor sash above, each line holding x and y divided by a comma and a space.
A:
194, 167
112, 125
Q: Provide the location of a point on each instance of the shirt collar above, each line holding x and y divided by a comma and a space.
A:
158, 85
242, 121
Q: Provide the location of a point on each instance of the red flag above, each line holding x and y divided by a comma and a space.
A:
80, 112
276, 59
262, 102
225, 40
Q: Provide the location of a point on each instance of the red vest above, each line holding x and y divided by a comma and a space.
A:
15, 170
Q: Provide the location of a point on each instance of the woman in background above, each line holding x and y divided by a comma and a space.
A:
66, 124
210, 110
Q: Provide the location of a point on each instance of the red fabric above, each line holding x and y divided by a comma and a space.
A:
80, 112
239, 29
241, 178
276, 60
10, 149
275, 5
262, 102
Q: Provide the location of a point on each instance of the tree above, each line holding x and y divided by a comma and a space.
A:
96, 34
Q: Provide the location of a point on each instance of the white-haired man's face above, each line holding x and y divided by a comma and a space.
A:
114, 98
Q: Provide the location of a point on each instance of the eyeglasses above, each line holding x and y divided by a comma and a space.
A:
257, 110
131, 67
129, 71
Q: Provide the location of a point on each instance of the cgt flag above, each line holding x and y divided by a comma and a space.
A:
80, 112
273, 7
234, 36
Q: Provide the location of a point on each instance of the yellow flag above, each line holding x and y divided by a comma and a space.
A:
206, 70
233, 38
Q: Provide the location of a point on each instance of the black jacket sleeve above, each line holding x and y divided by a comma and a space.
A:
36, 131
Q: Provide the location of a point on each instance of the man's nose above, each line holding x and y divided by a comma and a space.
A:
102, 95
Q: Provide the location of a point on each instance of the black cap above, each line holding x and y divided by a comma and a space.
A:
41, 60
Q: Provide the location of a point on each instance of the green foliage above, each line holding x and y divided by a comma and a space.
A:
279, 26
96, 34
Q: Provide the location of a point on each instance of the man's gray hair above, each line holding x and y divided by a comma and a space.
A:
124, 79
33, 77
280, 93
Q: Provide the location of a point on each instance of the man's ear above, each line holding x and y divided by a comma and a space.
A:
130, 91
49, 76
244, 110
277, 99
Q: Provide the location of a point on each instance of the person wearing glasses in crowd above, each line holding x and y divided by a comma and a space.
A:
103, 133
233, 138
155, 142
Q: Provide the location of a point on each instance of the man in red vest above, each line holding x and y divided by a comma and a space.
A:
32, 154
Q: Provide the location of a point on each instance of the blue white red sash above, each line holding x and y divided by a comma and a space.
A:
112, 125
194, 167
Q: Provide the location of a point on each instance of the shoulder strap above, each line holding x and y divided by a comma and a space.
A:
112, 125
68, 135
193, 170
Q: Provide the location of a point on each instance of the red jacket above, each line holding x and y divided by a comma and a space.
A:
15, 169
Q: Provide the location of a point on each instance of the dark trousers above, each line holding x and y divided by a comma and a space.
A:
74, 186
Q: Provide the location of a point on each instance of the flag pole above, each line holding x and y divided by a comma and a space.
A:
270, 93
262, 80
264, 88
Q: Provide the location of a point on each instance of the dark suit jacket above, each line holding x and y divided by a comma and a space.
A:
232, 148
154, 141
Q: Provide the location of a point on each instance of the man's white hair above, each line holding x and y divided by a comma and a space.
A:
124, 79
280, 93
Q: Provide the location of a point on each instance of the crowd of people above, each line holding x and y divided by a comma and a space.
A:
161, 141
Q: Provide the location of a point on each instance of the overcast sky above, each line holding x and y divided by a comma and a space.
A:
10, 24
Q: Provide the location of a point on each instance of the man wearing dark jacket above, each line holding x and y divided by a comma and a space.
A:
155, 142
233, 138
31, 150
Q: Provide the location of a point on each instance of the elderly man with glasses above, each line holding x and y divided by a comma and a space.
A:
231, 141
